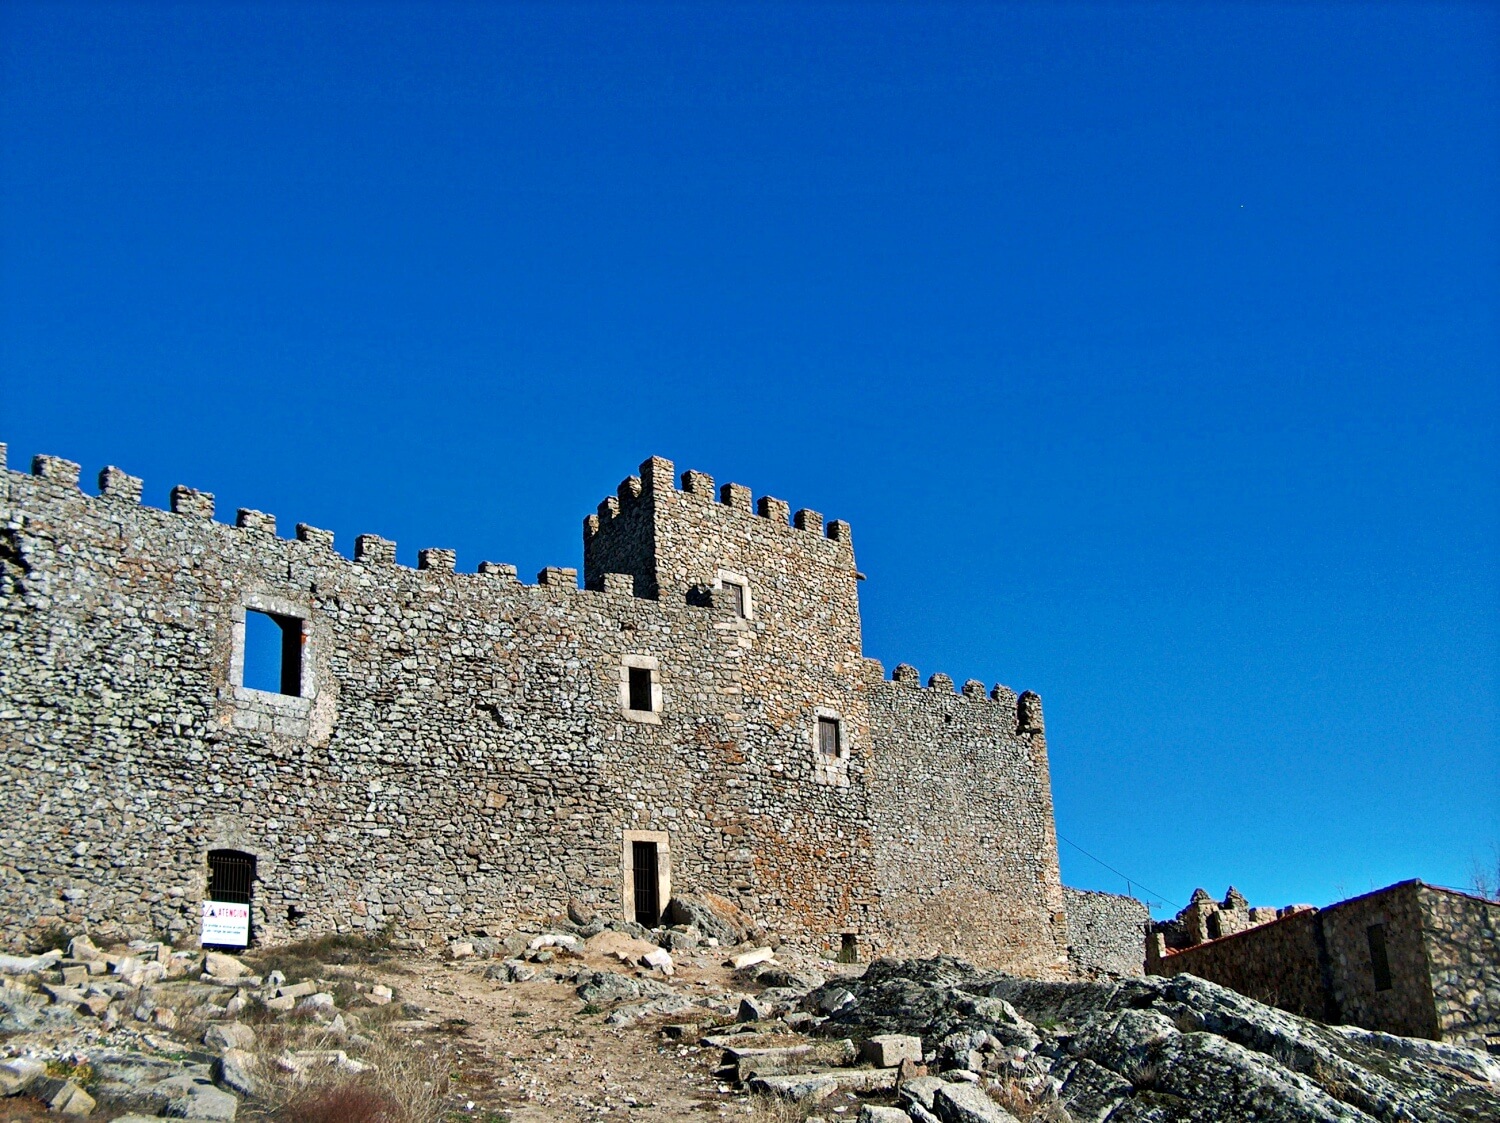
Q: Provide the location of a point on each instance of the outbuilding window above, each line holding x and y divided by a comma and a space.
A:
640, 688
1380, 964
830, 748
736, 587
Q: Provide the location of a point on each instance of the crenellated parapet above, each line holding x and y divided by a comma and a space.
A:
1023, 711
120, 488
656, 480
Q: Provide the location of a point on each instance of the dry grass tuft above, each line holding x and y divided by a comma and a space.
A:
773, 1109
402, 1083
1014, 1099
306, 959
342, 1103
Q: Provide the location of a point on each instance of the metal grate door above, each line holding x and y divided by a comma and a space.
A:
647, 899
231, 874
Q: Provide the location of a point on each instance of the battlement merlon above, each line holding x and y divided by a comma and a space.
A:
673, 536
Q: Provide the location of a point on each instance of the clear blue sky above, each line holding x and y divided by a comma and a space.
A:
1151, 350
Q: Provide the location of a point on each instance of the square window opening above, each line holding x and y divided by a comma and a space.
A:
273, 653
640, 689
830, 741
1380, 964
736, 593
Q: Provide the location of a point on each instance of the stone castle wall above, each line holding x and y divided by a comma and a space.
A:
461, 755
964, 847
1406, 1006
1105, 933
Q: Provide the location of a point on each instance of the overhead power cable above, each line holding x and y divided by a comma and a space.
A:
1129, 881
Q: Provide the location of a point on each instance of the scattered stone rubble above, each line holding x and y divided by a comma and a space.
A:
918, 1041
91, 1026
902, 1041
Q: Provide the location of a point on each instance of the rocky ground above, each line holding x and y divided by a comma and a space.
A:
577, 1021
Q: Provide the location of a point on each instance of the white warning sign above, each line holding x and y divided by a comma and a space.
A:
226, 924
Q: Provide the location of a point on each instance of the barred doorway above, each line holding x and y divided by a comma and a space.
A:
647, 896
647, 883
231, 880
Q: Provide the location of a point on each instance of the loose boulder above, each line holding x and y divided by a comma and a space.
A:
712, 916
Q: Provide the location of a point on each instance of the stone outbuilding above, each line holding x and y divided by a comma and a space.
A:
1411, 959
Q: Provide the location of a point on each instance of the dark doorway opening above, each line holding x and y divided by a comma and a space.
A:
849, 948
273, 653
647, 898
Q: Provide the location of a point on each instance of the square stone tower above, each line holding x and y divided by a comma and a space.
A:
791, 579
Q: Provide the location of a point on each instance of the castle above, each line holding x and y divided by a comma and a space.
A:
445, 752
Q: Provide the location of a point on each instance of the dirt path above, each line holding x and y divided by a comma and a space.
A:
527, 1050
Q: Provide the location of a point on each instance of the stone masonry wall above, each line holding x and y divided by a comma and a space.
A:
1463, 955
1406, 1006
460, 755
1278, 964
965, 850
1440, 949
1105, 933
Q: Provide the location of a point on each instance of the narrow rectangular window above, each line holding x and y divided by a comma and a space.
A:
1380, 965
273, 653
828, 737
640, 688
737, 597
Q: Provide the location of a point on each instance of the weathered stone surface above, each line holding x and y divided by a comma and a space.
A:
222, 966
1092, 1091
782, 979
967, 1103
661, 960
1172, 1049
921, 1090
230, 1035
797, 1087
235, 1070
63, 1097
196, 1097
711, 915
887, 1050
19, 1074
605, 987
749, 958
875, 1113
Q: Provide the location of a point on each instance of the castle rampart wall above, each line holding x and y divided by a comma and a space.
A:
1106, 933
965, 850
460, 754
